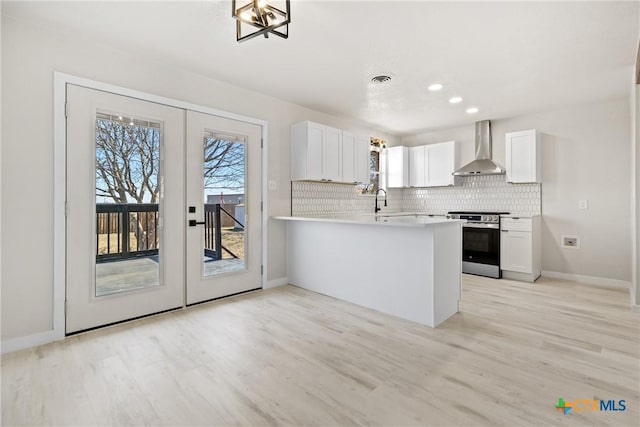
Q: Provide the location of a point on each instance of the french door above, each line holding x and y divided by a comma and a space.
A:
130, 170
224, 207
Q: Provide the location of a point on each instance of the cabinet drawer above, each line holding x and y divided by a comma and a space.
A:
516, 224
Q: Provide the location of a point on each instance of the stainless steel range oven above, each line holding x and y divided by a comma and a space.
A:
480, 242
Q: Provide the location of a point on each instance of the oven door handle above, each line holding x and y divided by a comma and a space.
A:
474, 225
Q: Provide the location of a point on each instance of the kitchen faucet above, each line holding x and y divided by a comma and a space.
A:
377, 209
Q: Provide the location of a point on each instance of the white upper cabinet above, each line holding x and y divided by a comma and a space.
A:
355, 158
332, 155
417, 166
397, 168
523, 156
442, 161
348, 157
433, 165
362, 159
316, 152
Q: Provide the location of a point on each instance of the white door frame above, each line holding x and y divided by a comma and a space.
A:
60, 81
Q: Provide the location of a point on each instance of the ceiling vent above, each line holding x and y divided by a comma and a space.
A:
381, 79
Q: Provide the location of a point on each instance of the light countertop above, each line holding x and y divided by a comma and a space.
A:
391, 219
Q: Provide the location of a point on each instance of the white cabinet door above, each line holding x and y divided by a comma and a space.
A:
523, 152
516, 251
313, 158
316, 152
348, 157
332, 155
362, 160
417, 166
397, 169
440, 164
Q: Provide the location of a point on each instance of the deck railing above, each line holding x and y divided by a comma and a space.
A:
213, 215
125, 230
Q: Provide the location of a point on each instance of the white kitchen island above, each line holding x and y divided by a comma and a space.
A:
408, 266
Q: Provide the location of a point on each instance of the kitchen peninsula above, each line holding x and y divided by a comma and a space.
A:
404, 265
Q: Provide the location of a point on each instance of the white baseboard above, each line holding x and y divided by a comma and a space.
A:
589, 280
276, 282
635, 308
20, 343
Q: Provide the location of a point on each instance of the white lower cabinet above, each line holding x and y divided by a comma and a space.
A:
516, 251
520, 248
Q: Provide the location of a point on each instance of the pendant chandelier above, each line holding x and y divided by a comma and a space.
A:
262, 17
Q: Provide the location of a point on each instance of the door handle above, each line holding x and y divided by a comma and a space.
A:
193, 223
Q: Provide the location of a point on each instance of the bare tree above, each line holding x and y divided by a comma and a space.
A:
128, 163
223, 164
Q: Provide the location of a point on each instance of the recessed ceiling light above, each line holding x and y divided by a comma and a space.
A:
381, 79
472, 110
435, 87
455, 100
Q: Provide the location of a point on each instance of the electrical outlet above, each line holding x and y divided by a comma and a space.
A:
273, 185
570, 242
583, 204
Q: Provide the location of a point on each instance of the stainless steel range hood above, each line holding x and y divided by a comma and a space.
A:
482, 165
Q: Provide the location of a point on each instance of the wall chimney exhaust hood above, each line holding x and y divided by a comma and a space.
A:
482, 165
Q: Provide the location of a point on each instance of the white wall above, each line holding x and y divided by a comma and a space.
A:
30, 55
0, 164
585, 154
635, 129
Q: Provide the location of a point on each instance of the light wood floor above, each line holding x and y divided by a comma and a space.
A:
291, 357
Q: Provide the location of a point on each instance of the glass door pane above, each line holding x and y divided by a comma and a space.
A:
224, 209
127, 203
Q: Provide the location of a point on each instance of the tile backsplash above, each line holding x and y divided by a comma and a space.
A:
310, 198
489, 193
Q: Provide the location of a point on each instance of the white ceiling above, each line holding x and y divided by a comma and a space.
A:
504, 58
